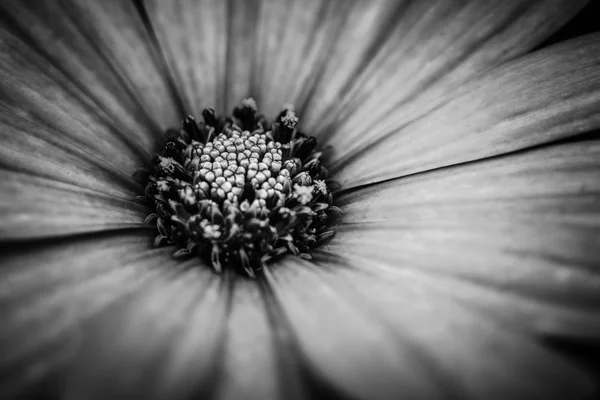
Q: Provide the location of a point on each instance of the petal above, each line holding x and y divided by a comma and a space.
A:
164, 342
250, 368
71, 126
91, 62
54, 187
33, 207
193, 38
548, 95
395, 53
377, 340
343, 346
516, 236
242, 24
295, 40
221, 52
314, 52
49, 291
31, 149
35, 91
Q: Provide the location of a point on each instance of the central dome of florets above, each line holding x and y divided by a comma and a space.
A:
240, 191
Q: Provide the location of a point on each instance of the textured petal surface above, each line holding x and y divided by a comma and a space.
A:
35, 91
250, 365
516, 236
85, 96
163, 342
52, 185
328, 56
224, 51
78, 115
101, 55
375, 339
242, 25
551, 94
394, 54
193, 37
296, 40
32, 207
50, 291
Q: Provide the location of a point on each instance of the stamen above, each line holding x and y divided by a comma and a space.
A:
239, 191
289, 119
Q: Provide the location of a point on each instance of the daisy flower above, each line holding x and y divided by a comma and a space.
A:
454, 145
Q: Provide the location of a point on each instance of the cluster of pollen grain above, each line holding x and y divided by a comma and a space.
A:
224, 166
240, 191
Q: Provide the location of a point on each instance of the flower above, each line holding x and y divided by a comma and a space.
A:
471, 200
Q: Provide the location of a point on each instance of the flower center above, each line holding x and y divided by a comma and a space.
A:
240, 191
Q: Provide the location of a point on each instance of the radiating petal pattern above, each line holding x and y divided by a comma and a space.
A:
242, 25
344, 345
376, 339
516, 236
250, 364
33, 207
431, 48
328, 56
396, 54
193, 37
223, 51
74, 123
166, 340
33, 90
436, 285
31, 149
91, 62
54, 186
50, 291
551, 94
296, 41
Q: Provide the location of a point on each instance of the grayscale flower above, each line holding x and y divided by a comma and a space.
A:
469, 185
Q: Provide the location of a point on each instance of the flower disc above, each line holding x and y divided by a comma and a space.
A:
239, 191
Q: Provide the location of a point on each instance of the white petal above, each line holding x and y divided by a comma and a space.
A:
49, 291
193, 37
551, 94
343, 346
395, 53
91, 64
525, 227
251, 365
373, 339
34, 150
211, 47
295, 41
272, 50
161, 343
33, 207
52, 186
242, 24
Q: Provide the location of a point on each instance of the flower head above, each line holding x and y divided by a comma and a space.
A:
461, 149
230, 185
